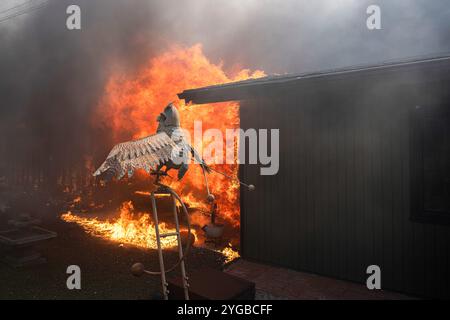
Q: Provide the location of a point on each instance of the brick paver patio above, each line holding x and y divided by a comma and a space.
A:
280, 283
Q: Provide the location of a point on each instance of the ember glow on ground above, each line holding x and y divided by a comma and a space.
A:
135, 229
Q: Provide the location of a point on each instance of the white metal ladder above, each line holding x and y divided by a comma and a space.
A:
177, 234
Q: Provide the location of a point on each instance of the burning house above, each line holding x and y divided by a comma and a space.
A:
364, 172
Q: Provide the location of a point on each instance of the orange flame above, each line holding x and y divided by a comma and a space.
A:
131, 104
129, 109
131, 228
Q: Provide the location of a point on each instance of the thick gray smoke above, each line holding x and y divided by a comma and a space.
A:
52, 78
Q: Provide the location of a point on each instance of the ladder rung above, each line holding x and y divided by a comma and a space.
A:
169, 234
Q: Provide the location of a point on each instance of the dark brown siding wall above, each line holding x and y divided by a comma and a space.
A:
341, 199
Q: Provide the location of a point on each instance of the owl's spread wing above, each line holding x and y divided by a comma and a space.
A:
146, 153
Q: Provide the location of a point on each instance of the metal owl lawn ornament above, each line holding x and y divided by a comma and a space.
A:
167, 147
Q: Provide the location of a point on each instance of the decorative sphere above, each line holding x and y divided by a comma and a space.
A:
137, 269
251, 187
210, 198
